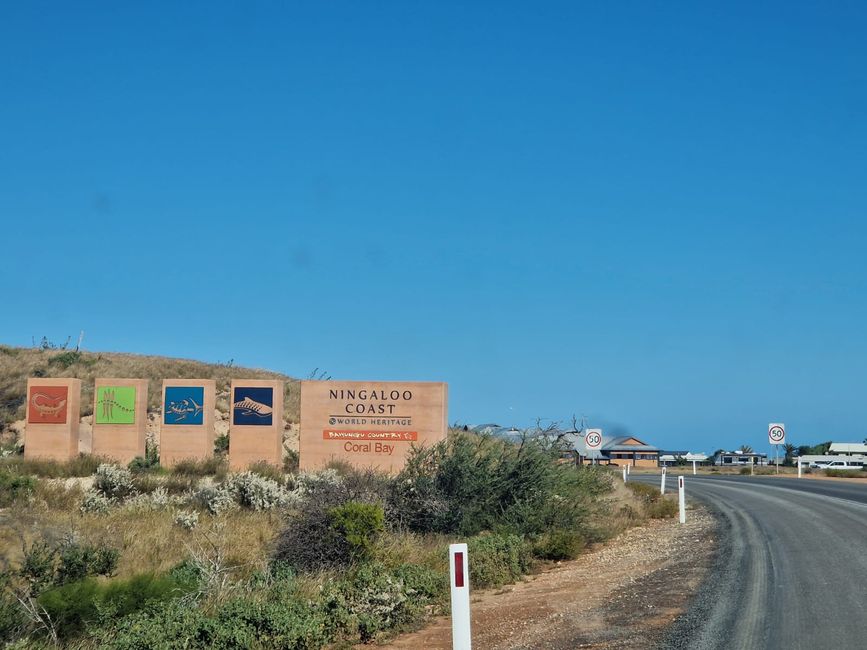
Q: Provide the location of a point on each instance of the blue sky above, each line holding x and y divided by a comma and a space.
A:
654, 216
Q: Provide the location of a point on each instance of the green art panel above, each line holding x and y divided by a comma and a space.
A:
115, 405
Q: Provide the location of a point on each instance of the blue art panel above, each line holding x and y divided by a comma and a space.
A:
253, 406
184, 405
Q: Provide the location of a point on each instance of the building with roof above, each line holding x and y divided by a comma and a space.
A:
671, 458
629, 450
848, 448
739, 457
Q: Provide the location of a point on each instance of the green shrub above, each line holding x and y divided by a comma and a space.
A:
213, 466
267, 470
308, 542
291, 461
423, 582
495, 560
149, 462
77, 561
75, 605
11, 616
38, 566
81, 465
559, 544
113, 481
14, 487
662, 509
842, 473
468, 484
358, 524
221, 445
65, 359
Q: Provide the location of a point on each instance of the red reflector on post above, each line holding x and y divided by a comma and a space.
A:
459, 569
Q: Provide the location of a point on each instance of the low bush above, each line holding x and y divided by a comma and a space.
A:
221, 445
498, 560
81, 465
73, 606
291, 461
357, 525
469, 484
842, 473
214, 466
655, 505
559, 544
267, 470
113, 481
149, 462
311, 539
14, 487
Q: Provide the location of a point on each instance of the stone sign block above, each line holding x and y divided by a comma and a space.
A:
53, 414
255, 422
369, 424
120, 418
187, 426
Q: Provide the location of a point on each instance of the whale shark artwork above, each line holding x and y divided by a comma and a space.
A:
184, 405
253, 406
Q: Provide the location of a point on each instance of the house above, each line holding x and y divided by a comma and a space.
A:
629, 450
738, 457
670, 458
848, 449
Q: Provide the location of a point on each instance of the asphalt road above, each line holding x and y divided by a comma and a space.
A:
791, 571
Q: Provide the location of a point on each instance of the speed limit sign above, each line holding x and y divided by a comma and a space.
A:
777, 433
593, 438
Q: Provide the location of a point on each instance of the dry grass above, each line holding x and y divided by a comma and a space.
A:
17, 364
147, 540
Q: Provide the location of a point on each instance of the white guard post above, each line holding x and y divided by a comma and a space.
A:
681, 497
624, 475
459, 570
627, 469
662, 482
693, 468
799, 468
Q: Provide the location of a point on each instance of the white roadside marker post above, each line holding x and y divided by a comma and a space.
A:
628, 468
624, 475
799, 468
662, 482
459, 568
693, 468
681, 497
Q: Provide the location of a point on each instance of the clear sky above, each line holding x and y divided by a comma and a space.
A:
649, 213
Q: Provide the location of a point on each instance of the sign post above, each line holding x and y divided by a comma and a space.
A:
460, 591
777, 437
681, 497
662, 482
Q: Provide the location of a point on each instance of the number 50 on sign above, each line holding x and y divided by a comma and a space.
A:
777, 433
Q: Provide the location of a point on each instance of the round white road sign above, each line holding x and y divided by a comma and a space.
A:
593, 438
776, 433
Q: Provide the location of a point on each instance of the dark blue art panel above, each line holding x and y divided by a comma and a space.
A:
253, 405
184, 405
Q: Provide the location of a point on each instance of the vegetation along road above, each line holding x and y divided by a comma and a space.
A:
791, 571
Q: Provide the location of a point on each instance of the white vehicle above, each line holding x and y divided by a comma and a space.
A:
845, 464
819, 464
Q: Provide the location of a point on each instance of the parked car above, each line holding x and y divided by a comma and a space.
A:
845, 464
819, 464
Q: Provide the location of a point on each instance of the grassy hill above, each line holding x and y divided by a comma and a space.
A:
17, 364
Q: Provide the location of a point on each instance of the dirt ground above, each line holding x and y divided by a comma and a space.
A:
622, 595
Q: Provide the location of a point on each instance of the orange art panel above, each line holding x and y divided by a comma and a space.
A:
47, 404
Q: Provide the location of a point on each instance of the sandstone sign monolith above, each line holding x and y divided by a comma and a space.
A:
53, 413
187, 425
369, 424
120, 418
256, 422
